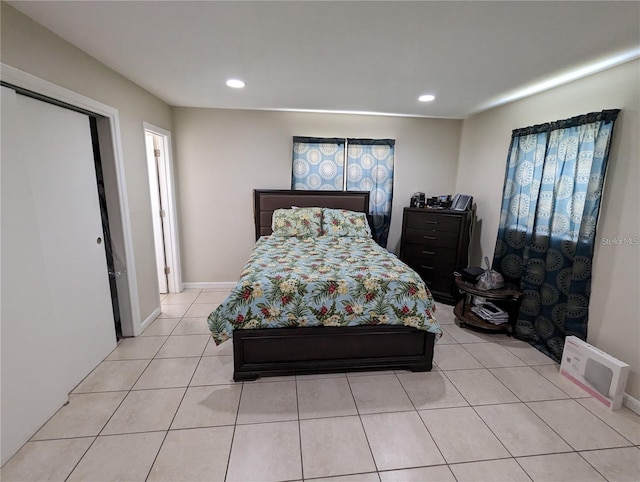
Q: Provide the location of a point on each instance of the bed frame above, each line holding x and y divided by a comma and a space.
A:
324, 349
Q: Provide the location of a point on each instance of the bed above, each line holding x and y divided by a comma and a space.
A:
322, 304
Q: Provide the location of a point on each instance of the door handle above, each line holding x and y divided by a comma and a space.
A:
429, 237
426, 267
428, 252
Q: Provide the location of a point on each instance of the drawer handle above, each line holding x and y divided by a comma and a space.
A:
429, 237
428, 252
426, 267
431, 222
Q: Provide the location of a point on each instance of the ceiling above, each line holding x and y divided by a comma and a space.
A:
345, 56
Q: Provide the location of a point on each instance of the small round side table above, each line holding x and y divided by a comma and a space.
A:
506, 299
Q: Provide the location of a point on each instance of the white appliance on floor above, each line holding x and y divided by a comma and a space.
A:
599, 374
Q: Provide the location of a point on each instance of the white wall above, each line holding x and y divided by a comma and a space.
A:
222, 155
614, 310
31, 48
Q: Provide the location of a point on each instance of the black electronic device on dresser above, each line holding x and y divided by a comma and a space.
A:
435, 243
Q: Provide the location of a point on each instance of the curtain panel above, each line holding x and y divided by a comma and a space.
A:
370, 168
318, 164
551, 200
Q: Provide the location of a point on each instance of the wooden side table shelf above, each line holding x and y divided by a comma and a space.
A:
507, 299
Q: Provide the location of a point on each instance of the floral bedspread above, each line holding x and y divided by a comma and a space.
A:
326, 280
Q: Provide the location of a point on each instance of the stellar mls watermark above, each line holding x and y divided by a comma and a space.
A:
620, 241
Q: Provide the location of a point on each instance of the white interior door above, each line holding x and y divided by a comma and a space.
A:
157, 212
57, 319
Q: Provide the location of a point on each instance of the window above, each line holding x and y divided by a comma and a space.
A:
319, 164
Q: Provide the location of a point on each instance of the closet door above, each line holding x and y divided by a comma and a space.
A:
57, 319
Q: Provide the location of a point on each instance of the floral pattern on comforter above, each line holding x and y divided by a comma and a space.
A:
326, 280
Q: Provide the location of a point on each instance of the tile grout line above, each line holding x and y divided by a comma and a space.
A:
128, 392
121, 402
80, 459
604, 421
589, 412
235, 423
525, 404
184, 394
592, 466
415, 409
233, 435
295, 378
112, 414
519, 401
473, 408
355, 403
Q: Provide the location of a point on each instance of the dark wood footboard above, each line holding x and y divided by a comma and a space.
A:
326, 349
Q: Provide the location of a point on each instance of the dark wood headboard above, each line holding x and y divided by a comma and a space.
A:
268, 200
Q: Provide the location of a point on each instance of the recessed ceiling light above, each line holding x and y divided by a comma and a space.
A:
235, 83
426, 98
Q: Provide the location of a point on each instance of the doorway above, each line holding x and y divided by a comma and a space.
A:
158, 149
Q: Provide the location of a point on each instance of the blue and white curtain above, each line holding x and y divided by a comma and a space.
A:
318, 164
370, 168
551, 199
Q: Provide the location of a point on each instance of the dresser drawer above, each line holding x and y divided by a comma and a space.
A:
440, 286
435, 279
428, 263
423, 252
433, 221
431, 238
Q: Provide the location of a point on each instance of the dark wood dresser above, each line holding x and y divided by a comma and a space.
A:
435, 243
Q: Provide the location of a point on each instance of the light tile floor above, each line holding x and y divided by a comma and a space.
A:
163, 406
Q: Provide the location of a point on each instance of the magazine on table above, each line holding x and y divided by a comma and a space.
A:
491, 313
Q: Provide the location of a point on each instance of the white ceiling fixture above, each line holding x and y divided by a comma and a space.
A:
235, 83
345, 56
426, 98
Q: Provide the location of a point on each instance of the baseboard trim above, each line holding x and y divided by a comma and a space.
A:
150, 319
631, 403
211, 285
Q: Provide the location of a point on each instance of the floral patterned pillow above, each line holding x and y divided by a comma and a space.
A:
340, 222
299, 222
